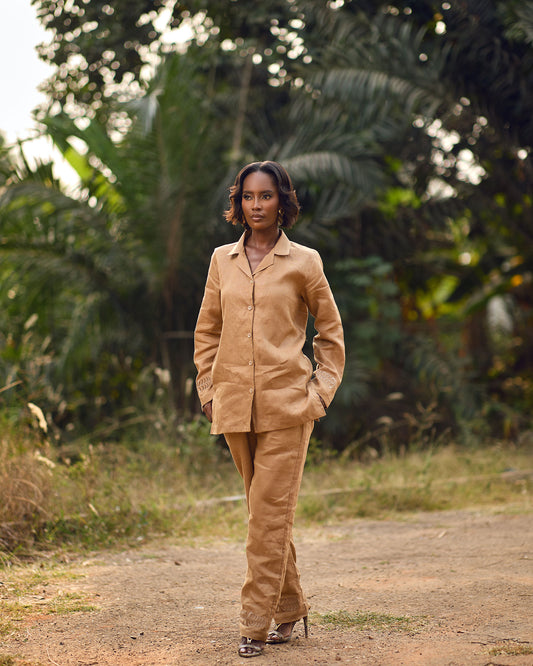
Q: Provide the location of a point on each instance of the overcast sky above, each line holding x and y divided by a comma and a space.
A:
21, 71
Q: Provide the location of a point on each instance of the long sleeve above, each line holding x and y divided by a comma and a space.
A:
207, 333
328, 343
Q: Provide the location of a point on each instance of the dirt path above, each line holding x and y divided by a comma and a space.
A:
466, 578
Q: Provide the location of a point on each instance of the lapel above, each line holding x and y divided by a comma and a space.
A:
282, 248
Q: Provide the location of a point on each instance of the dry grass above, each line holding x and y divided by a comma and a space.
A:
104, 496
26, 488
511, 648
93, 496
443, 478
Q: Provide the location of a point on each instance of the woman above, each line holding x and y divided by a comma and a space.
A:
259, 390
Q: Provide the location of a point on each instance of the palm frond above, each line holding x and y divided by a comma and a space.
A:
518, 17
329, 166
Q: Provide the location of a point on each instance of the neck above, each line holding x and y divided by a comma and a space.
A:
263, 239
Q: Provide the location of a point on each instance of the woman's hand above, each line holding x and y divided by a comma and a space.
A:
207, 409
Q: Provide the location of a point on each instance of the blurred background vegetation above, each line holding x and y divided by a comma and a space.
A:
407, 127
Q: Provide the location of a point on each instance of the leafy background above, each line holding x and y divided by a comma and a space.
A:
407, 128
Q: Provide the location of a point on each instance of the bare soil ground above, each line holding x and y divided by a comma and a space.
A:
465, 577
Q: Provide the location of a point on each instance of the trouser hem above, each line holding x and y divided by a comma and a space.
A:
291, 616
254, 634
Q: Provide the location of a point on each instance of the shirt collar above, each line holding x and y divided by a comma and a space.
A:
282, 246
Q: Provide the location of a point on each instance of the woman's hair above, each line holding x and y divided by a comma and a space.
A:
288, 202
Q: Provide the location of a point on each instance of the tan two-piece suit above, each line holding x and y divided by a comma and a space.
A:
266, 396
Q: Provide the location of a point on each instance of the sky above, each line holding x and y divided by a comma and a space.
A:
21, 71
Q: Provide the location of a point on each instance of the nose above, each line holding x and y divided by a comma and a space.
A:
256, 203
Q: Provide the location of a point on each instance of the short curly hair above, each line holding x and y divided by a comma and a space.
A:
287, 196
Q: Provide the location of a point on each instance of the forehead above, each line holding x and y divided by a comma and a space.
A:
259, 181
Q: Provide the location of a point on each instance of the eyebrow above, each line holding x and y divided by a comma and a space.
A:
261, 191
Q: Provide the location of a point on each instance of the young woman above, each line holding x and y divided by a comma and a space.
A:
258, 388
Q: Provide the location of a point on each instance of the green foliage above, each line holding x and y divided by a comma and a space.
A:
109, 39
110, 288
407, 128
101, 49
367, 297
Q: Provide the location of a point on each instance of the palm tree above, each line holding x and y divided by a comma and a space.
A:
377, 150
113, 270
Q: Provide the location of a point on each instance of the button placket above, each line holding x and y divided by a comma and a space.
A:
251, 307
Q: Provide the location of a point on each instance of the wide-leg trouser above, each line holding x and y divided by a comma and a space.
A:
271, 465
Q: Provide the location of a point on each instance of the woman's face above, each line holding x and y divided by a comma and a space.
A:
260, 201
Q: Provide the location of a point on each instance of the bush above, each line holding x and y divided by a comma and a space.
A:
97, 494
25, 490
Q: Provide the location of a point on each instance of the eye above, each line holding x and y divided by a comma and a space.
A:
247, 197
267, 196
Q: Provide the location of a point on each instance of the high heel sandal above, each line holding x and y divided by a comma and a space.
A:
250, 647
276, 636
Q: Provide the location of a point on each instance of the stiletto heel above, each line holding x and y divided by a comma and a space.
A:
277, 636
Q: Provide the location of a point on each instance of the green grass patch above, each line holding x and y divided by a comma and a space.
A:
6, 660
511, 648
27, 592
71, 602
366, 621
22, 581
7, 624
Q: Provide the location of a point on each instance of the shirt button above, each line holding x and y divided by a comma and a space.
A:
251, 390
249, 335
249, 307
250, 362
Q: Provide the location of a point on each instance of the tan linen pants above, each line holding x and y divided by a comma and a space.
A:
271, 465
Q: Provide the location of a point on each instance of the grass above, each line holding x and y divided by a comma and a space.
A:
111, 495
511, 648
70, 603
8, 660
27, 592
366, 621
433, 480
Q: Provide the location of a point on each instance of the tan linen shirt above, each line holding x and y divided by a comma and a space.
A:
250, 334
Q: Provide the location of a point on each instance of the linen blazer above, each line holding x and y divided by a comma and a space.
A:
250, 333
